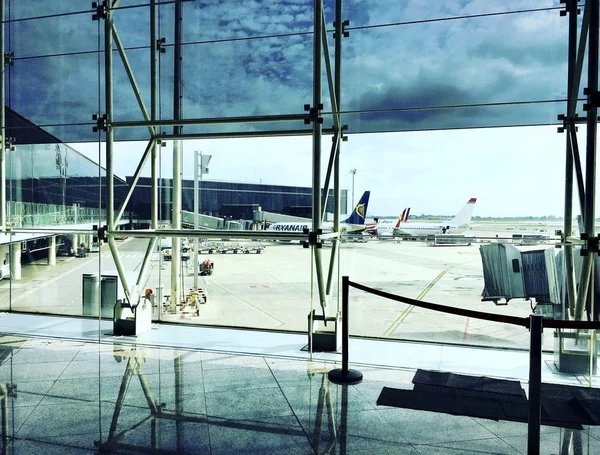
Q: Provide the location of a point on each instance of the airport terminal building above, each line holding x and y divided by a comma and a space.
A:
131, 325
228, 200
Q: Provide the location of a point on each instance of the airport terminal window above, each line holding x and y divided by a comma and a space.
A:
438, 105
515, 265
438, 76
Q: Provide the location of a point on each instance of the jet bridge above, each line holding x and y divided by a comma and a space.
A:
510, 273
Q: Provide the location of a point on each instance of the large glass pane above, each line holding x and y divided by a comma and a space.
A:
427, 172
205, 22
457, 63
57, 91
23, 10
53, 203
59, 8
247, 187
254, 77
390, 12
64, 34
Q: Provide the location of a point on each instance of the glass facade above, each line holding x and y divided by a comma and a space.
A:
401, 113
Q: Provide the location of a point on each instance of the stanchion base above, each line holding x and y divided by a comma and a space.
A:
350, 377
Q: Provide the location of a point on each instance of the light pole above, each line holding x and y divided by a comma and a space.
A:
200, 168
353, 172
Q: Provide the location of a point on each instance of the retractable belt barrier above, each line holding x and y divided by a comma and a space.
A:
523, 322
534, 323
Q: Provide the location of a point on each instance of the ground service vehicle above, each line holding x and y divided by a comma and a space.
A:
207, 247
258, 249
167, 254
206, 267
234, 248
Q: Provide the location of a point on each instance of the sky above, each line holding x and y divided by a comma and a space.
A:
254, 57
404, 62
511, 171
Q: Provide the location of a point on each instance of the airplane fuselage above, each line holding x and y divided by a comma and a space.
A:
326, 226
425, 229
385, 228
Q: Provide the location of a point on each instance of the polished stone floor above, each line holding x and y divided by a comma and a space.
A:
77, 395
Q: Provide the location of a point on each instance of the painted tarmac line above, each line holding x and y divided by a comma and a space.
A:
407, 311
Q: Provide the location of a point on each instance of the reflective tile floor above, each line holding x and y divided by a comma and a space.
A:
76, 396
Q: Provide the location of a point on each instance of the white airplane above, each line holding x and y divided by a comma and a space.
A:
460, 223
385, 228
354, 223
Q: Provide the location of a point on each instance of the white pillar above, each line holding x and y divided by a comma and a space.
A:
90, 241
75, 242
52, 250
15, 262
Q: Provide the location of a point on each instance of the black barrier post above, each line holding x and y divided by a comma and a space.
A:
344, 375
535, 384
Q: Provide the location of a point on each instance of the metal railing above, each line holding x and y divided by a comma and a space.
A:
31, 215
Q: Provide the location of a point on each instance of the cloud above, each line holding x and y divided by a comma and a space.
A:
492, 59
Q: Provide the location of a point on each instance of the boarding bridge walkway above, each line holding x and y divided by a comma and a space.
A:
30, 221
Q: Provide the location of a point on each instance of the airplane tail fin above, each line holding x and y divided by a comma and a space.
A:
403, 217
465, 214
360, 211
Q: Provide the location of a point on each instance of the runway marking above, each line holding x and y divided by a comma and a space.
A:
406, 312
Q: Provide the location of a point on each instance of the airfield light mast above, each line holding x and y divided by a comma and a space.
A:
353, 172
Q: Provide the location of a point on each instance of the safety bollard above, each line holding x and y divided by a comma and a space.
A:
344, 375
535, 384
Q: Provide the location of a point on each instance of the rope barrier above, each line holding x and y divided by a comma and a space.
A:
535, 323
514, 320
523, 322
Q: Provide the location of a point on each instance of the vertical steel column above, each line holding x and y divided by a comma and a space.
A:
535, 384
3, 201
196, 225
110, 187
338, 137
571, 108
338, 96
108, 93
154, 113
337, 90
176, 206
590, 160
316, 146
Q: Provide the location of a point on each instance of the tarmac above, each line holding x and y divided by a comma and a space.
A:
277, 290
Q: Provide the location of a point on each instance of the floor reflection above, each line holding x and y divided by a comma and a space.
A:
79, 397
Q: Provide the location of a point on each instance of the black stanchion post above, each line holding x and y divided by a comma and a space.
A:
344, 375
535, 384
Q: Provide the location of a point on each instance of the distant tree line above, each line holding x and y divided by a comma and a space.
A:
494, 218
427, 216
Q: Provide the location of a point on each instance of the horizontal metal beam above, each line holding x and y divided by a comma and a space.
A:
211, 121
215, 234
241, 134
48, 230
